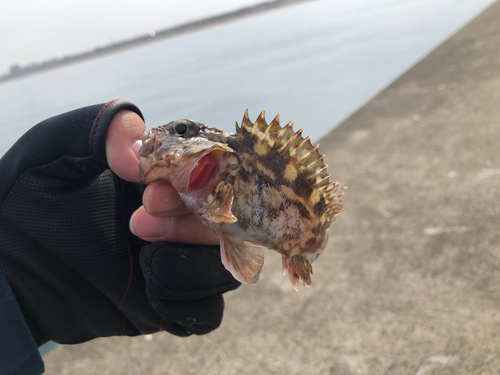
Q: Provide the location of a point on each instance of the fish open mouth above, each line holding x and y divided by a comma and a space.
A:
202, 173
198, 171
189, 164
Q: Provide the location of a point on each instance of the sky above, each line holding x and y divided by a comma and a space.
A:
36, 31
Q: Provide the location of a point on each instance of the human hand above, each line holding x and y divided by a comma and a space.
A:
65, 222
163, 216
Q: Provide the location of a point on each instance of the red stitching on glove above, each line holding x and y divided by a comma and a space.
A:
97, 124
221, 301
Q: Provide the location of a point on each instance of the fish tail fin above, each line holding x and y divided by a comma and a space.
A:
298, 268
243, 259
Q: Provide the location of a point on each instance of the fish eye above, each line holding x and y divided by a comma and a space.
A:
184, 128
181, 128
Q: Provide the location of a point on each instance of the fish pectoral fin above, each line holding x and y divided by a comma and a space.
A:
298, 268
243, 259
217, 206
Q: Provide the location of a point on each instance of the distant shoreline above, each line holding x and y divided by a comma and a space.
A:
21, 71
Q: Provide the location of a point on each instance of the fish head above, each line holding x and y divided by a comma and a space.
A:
184, 152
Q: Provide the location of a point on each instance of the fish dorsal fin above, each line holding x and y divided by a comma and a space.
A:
302, 157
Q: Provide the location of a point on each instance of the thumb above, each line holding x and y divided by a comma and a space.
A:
123, 141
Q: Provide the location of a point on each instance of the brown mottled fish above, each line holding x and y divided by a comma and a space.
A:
263, 187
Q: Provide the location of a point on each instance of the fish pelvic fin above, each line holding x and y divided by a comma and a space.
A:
298, 268
217, 206
243, 259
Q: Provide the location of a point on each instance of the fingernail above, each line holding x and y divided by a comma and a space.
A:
136, 146
169, 226
145, 200
131, 224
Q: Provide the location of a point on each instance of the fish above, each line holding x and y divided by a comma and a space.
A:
263, 187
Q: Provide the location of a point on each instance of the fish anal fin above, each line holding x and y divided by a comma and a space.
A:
217, 206
243, 259
298, 268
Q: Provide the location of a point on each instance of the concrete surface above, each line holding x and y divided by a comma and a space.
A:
410, 283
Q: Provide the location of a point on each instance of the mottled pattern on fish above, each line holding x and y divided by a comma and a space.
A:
268, 188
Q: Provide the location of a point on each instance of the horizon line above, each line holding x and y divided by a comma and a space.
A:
17, 71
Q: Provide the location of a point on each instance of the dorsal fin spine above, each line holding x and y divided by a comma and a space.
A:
320, 180
314, 162
318, 171
260, 122
297, 152
306, 155
246, 123
287, 142
275, 123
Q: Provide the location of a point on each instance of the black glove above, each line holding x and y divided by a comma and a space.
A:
67, 251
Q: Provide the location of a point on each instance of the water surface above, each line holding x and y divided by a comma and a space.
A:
316, 62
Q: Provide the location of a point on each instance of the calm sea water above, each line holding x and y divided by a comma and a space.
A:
316, 62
